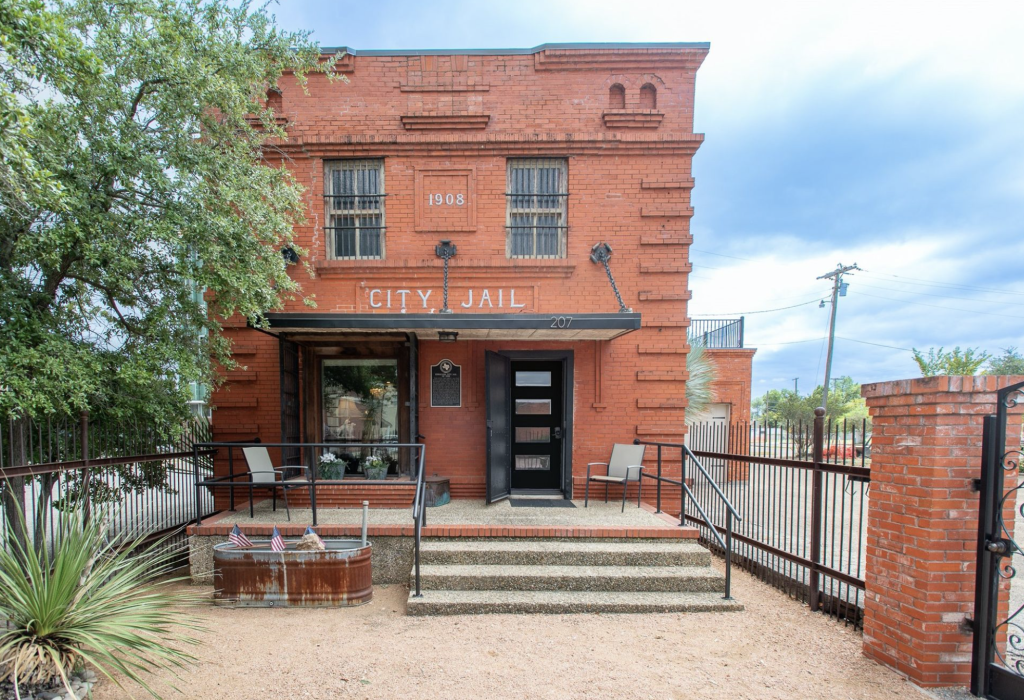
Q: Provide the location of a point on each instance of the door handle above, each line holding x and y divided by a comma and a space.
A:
557, 433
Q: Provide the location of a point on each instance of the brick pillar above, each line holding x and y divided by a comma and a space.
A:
923, 522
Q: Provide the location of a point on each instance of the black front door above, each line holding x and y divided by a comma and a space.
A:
498, 427
537, 424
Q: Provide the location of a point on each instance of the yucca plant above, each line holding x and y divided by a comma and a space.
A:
90, 600
701, 373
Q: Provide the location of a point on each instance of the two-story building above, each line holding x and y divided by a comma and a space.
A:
500, 245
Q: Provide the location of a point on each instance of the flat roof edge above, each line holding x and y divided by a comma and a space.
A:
585, 46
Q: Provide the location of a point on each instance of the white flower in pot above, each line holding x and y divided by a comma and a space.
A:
375, 468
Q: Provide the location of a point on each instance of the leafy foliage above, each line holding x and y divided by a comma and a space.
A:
701, 373
89, 601
1010, 362
133, 179
783, 405
955, 362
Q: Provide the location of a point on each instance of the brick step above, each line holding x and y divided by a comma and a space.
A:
489, 577
564, 553
563, 602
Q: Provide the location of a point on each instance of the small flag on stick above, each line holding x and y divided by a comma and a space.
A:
276, 541
311, 531
238, 538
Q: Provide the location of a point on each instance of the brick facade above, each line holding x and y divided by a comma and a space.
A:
923, 521
449, 123
732, 382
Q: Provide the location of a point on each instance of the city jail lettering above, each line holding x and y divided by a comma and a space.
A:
421, 299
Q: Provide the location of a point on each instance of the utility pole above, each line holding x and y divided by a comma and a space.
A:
837, 283
796, 384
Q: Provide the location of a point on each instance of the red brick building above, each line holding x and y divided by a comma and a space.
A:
524, 160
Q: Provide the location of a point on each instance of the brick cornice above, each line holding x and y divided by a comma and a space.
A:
406, 268
333, 144
619, 59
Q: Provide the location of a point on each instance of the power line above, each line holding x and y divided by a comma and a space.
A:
932, 283
723, 255
789, 342
936, 306
916, 280
940, 296
761, 311
880, 345
838, 337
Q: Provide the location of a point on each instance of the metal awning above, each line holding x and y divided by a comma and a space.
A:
469, 326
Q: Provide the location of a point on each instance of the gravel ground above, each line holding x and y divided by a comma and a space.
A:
774, 650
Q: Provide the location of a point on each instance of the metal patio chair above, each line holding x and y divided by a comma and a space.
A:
263, 474
625, 465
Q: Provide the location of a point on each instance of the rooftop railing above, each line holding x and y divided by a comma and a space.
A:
717, 332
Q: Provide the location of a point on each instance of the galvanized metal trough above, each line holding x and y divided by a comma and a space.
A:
337, 576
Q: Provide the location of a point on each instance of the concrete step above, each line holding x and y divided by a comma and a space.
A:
517, 577
477, 602
564, 553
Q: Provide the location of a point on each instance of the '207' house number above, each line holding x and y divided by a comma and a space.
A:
439, 199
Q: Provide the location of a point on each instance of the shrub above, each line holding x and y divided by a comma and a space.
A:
93, 601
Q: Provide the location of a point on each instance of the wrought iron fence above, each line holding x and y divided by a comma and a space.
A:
803, 490
143, 479
717, 332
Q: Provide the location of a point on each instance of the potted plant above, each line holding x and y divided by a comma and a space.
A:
375, 468
330, 467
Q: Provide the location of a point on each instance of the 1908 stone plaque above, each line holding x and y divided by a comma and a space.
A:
446, 385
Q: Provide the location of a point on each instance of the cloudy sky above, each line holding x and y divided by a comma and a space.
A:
890, 135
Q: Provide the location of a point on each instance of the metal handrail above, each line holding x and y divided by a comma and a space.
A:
228, 480
419, 518
685, 492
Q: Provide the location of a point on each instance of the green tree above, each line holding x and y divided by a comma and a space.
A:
795, 413
1010, 362
783, 405
955, 362
133, 175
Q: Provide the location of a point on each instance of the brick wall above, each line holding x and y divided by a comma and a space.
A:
452, 122
923, 520
732, 381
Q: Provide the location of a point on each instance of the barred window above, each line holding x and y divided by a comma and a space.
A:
354, 198
537, 197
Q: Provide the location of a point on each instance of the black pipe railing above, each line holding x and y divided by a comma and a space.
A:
685, 492
312, 482
717, 332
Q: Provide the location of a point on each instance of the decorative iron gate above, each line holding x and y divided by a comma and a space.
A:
997, 669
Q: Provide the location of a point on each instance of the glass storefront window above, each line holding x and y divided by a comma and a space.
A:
360, 405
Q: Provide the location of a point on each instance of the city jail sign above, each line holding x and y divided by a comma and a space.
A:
445, 385
428, 300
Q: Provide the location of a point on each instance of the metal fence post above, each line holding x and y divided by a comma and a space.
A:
195, 470
728, 554
312, 488
86, 477
682, 487
986, 588
813, 579
659, 480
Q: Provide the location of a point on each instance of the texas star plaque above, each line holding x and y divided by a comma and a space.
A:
446, 385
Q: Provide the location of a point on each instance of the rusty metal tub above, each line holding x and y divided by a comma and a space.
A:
258, 576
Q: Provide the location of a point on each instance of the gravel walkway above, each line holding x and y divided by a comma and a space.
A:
774, 650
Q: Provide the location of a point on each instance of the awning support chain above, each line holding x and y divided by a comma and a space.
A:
446, 251
602, 253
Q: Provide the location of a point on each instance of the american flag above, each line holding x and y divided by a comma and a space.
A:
311, 531
276, 541
238, 538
